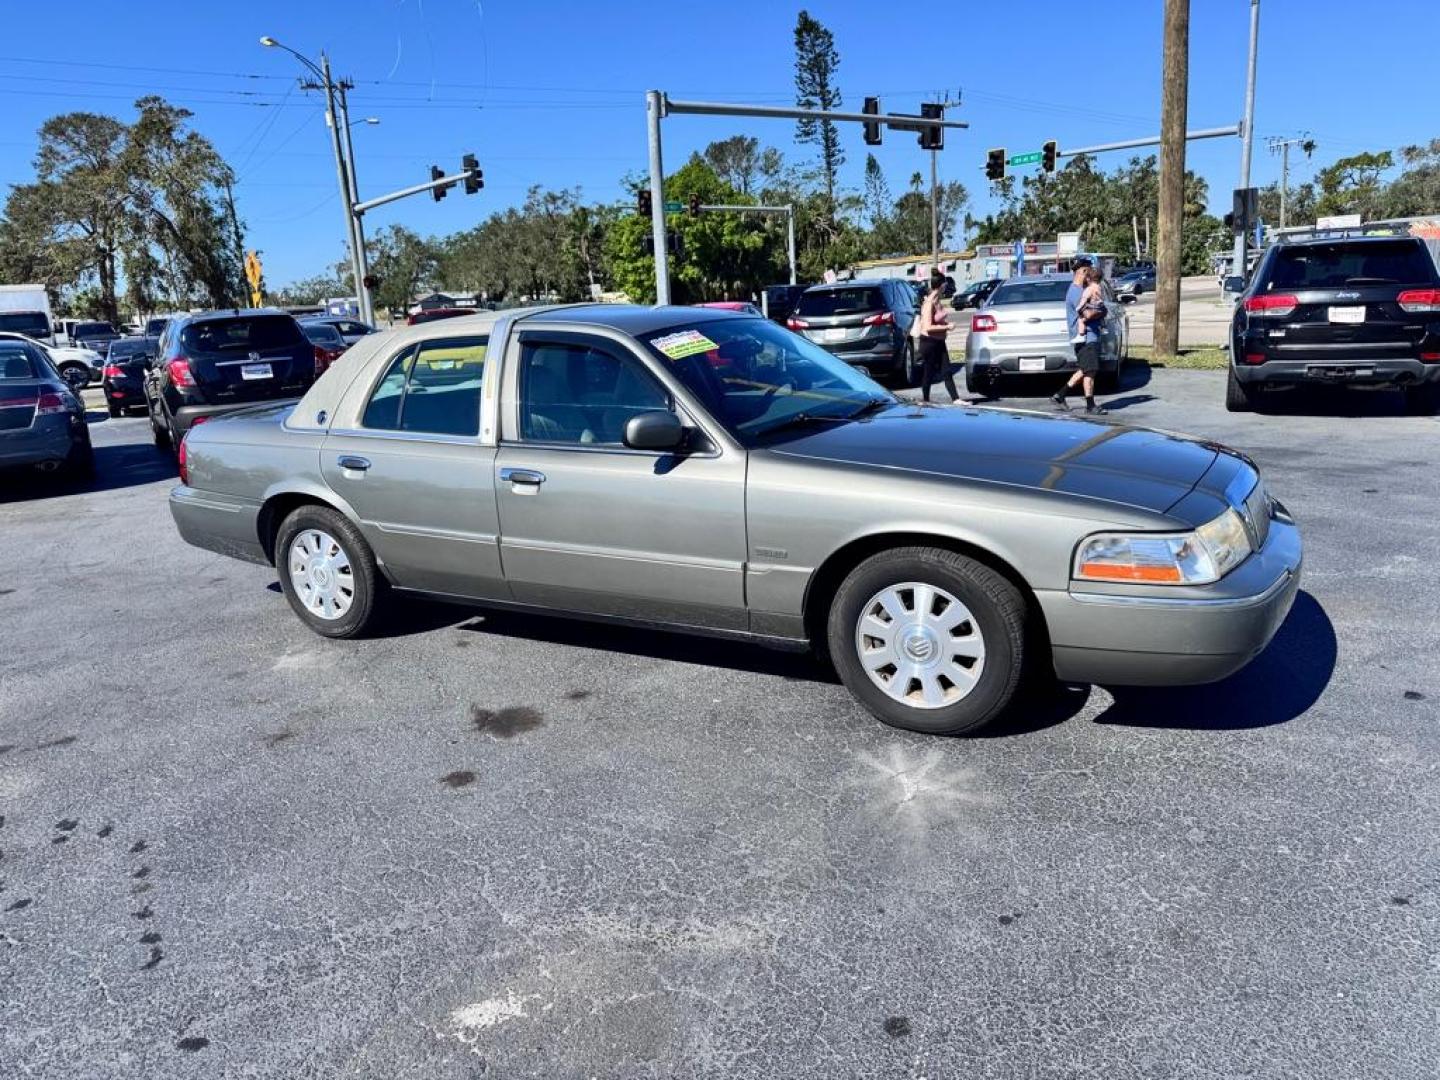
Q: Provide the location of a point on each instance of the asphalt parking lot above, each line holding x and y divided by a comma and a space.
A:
489, 845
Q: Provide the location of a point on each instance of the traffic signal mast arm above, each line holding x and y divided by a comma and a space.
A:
468, 177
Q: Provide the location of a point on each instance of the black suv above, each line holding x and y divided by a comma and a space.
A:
865, 323
218, 361
1355, 311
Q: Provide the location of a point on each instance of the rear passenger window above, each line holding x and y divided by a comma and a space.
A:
432, 388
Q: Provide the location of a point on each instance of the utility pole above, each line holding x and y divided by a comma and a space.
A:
654, 106
362, 262
1282, 147
341, 172
945, 103
1175, 86
1247, 133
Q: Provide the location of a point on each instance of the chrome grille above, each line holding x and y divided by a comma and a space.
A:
1257, 514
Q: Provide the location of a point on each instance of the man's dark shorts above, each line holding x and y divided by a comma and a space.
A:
1087, 357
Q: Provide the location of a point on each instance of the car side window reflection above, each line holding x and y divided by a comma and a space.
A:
432, 388
577, 393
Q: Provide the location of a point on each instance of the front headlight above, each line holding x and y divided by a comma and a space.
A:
1193, 558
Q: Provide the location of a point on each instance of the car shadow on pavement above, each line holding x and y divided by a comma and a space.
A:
656, 644
1334, 401
1277, 686
121, 466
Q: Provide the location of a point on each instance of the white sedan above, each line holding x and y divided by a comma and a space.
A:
78, 367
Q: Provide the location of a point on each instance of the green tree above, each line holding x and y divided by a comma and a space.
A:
1352, 185
310, 290
405, 263
816, 64
741, 163
1417, 189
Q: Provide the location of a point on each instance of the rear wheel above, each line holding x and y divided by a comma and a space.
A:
909, 365
116, 412
1238, 396
928, 639
80, 463
159, 431
1423, 400
327, 572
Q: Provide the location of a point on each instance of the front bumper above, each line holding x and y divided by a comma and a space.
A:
1380, 371
1141, 637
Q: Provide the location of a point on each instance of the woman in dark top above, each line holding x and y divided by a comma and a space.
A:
934, 325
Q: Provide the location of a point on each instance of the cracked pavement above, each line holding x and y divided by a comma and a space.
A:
495, 846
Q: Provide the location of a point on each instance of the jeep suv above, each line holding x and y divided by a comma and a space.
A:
865, 323
1359, 311
218, 361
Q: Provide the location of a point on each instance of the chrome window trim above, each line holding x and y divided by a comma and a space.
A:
406, 436
487, 378
602, 448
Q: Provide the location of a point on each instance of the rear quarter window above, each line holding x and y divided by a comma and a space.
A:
841, 301
1333, 266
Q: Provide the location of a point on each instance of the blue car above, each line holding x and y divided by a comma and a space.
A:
42, 421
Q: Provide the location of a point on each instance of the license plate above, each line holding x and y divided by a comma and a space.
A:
255, 371
835, 335
1032, 363
1347, 314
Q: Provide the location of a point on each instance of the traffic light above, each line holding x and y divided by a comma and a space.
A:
1048, 153
1229, 220
995, 164
474, 178
933, 137
695, 205
643, 206
372, 281
872, 127
436, 193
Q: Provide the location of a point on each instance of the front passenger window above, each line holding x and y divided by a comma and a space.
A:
575, 393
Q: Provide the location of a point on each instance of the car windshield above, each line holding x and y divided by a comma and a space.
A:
155, 327
127, 347
1332, 266
1029, 292
323, 332
755, 377
241, 334
824, 302
93, 329
30, 323
18, 361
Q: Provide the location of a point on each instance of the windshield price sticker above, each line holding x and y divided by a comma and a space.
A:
685, 343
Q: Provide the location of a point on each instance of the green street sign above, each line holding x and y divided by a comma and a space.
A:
675, 207
1026, 159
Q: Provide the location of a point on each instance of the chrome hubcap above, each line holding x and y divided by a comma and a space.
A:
321, 575
920, 645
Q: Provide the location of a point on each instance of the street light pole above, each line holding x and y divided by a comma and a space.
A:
654, 106
362, 260
1248, 134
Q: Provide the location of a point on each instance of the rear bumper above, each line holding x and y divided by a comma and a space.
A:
186, 416
51, 443
224, 524
1379, 371
1153, 640
995, 357
879, 354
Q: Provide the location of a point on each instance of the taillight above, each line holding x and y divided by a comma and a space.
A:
49, 403
883, 318
1278, 304
180, 373
322, 360
793, 323
1417, 301
112, 371
1254, 358
1430, 357
982, 324
182, 458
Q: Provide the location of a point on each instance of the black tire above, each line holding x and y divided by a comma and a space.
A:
1238, 396
996, 605
1107, 382
160, 433
987, 386
366, 580
909, 368
116, 412
76, 376
1422, 400
80, 463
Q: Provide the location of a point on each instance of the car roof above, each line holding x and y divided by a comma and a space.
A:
1032, 278
229, 313
1321, 241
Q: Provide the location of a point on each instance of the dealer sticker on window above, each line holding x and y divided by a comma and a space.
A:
683, 344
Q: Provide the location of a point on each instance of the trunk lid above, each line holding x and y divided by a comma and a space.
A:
1041, 321
835, 316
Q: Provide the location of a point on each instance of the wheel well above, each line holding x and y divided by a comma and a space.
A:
275, 510
834, 570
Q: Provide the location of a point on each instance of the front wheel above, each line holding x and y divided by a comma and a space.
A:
327, 572
928, 639
76, 376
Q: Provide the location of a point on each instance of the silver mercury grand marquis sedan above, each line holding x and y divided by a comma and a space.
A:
712, 472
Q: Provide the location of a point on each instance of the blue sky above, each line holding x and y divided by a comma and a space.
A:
553, 93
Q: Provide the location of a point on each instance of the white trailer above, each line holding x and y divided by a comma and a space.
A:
25, 309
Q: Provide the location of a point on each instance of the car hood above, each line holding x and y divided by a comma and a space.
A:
1129, 466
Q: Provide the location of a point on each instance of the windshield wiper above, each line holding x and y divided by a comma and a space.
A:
870, 406
802, 419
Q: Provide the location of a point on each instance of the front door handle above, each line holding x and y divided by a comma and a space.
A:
522, 476
350, 461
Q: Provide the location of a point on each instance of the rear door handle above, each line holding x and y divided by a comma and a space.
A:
350, 461
522, 476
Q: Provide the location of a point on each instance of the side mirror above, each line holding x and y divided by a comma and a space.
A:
658, 429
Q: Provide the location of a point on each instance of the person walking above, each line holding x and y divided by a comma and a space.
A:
1083, 323
934, 326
